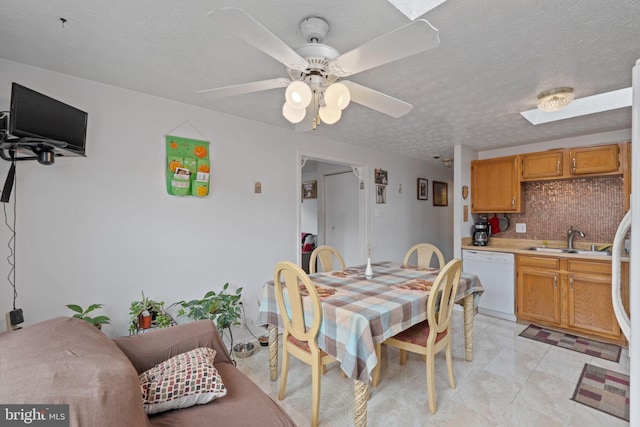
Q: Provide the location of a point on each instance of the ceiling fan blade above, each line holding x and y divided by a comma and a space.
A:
244, 88
243, 26
411, 39
583, 106
377, 101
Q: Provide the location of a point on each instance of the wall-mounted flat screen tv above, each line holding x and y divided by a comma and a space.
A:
34, 115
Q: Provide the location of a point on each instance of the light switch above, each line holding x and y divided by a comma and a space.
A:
521, 227
257, 187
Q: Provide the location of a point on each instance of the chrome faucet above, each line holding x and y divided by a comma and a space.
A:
570, 235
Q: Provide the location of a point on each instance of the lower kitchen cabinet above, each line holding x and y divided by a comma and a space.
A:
572, 294
538, 289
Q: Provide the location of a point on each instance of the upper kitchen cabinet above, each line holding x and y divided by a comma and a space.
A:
576, 162
603, 159
495, 185
543, 165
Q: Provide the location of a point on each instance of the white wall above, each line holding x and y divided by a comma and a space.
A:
102, 229
462, 176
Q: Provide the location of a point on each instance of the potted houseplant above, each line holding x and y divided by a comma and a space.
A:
83, 314
223, 308
146, 313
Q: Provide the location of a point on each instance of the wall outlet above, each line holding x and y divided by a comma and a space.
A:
521, 227
257, 187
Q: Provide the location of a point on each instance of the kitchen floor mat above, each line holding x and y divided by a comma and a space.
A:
604, 390
582, 345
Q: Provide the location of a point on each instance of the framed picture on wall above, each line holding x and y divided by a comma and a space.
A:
381, 177
440, 193
423, 189
381, 194
310, 190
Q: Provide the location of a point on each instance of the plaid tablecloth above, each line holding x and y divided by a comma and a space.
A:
358, 313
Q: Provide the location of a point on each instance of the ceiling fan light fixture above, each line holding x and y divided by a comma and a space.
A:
329, 115
298, 94
555, 99
337, 96
294, 115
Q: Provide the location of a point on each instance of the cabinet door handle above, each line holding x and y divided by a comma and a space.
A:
574, 163
558, 167
571, 283
513, 202
555, 282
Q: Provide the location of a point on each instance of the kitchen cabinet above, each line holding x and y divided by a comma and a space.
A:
538, 289
589, 306
495, 185
573, 163
546, 164
594, 160
569, 293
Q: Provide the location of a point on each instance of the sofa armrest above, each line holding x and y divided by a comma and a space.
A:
148, 349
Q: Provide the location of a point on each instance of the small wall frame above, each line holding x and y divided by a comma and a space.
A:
310, 190
423, 189
440, 194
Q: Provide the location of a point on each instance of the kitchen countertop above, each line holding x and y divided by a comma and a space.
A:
519, 246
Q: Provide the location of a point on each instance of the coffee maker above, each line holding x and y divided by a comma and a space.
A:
481, 233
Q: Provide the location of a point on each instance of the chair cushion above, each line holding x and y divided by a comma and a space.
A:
304, 345
184, 380
418, 334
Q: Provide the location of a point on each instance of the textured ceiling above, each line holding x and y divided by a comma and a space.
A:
494, 57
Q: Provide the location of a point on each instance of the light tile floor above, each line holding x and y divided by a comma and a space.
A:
512, 381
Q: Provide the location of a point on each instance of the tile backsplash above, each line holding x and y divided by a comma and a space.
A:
592, 205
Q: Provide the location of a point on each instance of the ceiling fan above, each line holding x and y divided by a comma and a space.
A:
313, 93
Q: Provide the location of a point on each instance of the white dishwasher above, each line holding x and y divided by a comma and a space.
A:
496, 271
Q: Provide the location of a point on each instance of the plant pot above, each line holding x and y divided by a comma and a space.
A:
144, 322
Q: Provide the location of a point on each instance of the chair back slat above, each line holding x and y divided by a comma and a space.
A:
424, 254
325, 255
290, 277
442, 297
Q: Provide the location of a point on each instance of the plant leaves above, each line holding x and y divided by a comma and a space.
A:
105, 320
75, 308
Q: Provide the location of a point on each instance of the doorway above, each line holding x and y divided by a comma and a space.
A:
339, 215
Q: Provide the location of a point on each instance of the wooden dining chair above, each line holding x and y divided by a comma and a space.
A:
297, 339
325, 255
432, 335
424, 252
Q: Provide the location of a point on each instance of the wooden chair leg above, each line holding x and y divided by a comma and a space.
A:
375, 375
452, 382
403, 357
284, 373
431, 384
316, 369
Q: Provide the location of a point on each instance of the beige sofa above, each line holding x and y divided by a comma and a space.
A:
66, 360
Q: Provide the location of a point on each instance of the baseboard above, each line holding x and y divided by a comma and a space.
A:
499, 314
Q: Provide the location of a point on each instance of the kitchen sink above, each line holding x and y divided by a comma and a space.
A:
599, 253
569, 251
554, 250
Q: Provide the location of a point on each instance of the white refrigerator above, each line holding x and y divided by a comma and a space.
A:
631, 328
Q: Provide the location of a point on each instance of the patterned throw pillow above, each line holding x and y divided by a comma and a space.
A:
184, 380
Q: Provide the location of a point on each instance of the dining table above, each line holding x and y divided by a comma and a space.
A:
360, 312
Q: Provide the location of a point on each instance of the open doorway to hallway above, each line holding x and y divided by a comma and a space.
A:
337, 216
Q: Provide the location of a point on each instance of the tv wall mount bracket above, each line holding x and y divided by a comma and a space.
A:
26, 148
